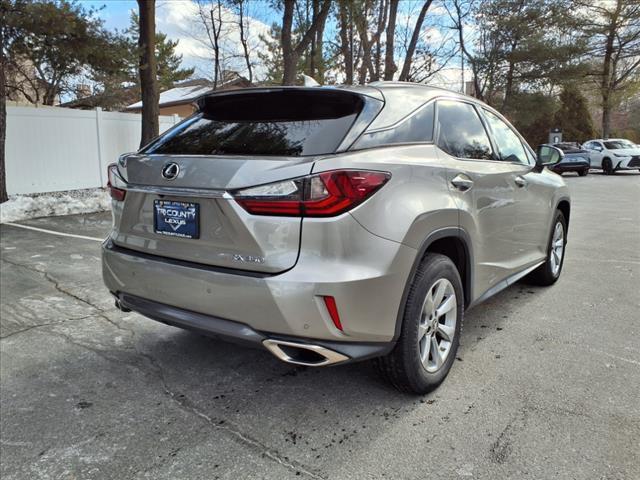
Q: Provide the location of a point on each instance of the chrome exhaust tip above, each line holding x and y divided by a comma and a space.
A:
303, 353
120, 307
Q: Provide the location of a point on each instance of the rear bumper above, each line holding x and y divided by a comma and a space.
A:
236, 332
365, 274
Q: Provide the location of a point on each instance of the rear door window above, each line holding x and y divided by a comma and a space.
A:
280, 122
461, 132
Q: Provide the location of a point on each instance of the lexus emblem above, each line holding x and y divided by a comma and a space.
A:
171, 171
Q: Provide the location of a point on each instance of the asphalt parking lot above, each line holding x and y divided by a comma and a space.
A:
547, 382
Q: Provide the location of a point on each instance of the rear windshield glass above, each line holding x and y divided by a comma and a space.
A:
281, 122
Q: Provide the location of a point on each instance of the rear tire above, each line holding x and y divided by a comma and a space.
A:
549, 272
606, 167
431, 326
584, 173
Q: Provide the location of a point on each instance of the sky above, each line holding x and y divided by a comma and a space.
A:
176, 18
115, 13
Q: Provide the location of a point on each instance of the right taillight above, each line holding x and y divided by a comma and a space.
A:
114, 181
323, 194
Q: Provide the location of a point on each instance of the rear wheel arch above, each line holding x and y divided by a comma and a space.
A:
565, 207
452, 242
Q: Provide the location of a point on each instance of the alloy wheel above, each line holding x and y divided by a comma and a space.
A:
437, 325
557, 248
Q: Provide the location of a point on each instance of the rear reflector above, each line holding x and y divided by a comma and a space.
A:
113, 177
332, 308
323, 194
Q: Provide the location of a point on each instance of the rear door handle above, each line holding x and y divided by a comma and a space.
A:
462, 182
520, 181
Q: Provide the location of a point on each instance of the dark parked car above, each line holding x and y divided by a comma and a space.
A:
575, 160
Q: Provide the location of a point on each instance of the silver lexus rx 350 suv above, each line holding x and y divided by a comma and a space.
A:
331, 225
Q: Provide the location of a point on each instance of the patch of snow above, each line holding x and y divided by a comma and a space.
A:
22, 207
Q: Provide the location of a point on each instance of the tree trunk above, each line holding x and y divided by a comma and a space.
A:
508, 89
605, 84
147, 71
390, 66
319, 56
313, 59
291, 54
289, 59
346, 45
366, 60
382, 20
243, 40
216, 45
366, 43
3, 124
606, 114
406, 67
49, 98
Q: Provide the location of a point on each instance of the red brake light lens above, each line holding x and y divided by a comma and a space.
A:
113, 181
323, 194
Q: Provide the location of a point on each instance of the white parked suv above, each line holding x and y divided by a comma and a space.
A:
613, 154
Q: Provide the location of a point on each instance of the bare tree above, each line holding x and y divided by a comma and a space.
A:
383, 11
367, 42
614, 29
148, 71
390, 66
290, 52
427, 62
459, 11
243, 26
318, 47
411, 49
210, 15
345, 16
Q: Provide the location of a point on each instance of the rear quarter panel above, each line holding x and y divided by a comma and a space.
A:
414, 203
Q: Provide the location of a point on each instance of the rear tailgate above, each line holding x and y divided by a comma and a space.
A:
237, 141
227, 235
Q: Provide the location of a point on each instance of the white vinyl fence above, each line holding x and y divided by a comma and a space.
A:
52, 149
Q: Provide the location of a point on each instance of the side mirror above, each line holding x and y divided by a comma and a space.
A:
548, 155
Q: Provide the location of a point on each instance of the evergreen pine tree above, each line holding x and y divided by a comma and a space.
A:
573, 116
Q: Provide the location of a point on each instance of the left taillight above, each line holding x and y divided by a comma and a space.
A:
325, 194
114, 181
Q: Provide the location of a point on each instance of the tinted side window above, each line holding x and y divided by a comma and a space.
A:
509, 144
418, 128
461, 132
